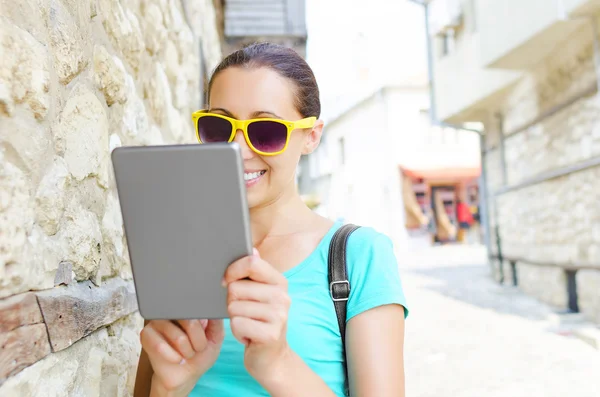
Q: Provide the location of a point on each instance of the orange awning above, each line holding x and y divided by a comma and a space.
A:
443, 173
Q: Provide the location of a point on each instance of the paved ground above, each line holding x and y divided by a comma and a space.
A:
469, 337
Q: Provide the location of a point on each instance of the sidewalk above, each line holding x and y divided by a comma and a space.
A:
467, 336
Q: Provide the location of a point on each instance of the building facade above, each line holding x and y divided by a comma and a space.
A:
278, 21
77, 79
376, 154
529, 71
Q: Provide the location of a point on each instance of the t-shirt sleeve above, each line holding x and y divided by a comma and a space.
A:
373, 272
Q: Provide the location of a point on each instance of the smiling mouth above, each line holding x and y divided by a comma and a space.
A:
250, 176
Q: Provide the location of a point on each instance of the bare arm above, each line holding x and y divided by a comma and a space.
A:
374, 343
295, 379
375, 351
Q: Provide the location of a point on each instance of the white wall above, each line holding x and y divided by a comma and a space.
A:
418, 144
365, 188
389, 129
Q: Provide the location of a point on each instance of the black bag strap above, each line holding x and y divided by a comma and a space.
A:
339, 285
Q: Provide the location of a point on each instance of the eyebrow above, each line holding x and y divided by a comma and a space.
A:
254, 114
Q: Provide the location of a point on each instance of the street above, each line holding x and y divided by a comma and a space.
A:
467, 336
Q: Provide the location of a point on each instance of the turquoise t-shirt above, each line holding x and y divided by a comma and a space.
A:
313, 330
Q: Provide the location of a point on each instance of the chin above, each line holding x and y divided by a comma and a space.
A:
254, 200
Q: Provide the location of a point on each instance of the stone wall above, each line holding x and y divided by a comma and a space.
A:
77, 79
557, 221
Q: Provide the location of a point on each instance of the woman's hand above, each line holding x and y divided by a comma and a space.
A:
180, 353
258, 305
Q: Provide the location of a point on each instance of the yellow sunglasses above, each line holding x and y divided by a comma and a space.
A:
265, 136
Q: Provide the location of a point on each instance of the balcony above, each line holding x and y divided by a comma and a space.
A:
463, 84
517, 34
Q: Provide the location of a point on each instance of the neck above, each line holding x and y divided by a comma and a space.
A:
281, 216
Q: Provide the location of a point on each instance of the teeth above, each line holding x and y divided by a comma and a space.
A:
248, 176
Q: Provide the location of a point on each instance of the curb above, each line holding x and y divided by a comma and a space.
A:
589, 335
576, 325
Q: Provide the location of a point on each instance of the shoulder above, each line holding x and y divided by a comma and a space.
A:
372, 271
366, 243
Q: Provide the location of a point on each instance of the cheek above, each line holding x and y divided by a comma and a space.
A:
282, 165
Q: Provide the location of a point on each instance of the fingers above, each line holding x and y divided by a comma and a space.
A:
175, 336
195, 333
253, 291
254, 268
246, 329
157, 347
215, 332
254, 310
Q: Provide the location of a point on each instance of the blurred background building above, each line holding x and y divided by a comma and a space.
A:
531, 78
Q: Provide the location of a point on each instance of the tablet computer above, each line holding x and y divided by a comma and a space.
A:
186, 219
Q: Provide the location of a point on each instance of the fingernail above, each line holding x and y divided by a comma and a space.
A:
204, 323
255, 252
224, 282
182, 361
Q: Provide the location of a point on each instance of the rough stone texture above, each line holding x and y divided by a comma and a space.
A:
548, 284
50, 203
113, 236
202, 17
84, 239
82, 135
556, 222
16, 216
103, 364
24, 73
110, 76
588, 293
77, 79
67, 43
124, 32
565, 138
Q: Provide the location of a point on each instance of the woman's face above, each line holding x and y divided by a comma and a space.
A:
249, 93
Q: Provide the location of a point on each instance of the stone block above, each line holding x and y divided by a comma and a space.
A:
27, 142
16, 218
157, 91
203, 19
123, 29
49, 198
81, 231
66, 42
109, 75
588, 292
23, 71
103, 364
548, 284
130, 119
155, 32
82, 134
113, 235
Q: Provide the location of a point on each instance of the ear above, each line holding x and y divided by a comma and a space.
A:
313, 138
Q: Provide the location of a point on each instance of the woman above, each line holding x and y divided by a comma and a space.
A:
282, 338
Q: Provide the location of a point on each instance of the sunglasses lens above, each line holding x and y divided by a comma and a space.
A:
267, 136
213, 129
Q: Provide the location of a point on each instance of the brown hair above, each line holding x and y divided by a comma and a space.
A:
284, 61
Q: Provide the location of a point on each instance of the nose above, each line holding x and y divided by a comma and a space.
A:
247, 153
